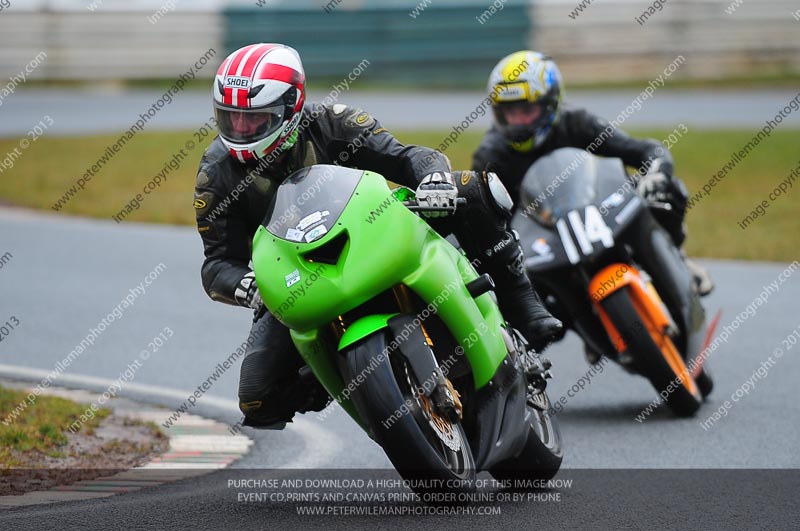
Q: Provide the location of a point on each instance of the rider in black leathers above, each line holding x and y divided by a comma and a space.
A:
262, 143
529, 123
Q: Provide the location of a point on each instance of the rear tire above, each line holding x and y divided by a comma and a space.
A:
540, 458
385, 401
648, 355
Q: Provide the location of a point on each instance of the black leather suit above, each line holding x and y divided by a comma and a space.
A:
579, 129
231, 200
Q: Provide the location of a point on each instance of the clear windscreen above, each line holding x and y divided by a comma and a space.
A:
564, 180
310, 201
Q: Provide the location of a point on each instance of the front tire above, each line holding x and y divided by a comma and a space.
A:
659, 366
420, 448
705, 382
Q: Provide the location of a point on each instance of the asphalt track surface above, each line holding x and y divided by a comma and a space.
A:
67, 274
100, 110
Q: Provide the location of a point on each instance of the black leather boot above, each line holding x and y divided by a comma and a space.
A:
518, 301
703, 284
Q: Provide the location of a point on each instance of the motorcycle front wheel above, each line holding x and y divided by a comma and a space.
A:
420, 444
654, 354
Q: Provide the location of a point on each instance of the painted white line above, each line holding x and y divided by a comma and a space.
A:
82, 381
198, 444
320, 446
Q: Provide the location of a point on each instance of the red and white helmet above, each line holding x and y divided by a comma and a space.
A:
259, 93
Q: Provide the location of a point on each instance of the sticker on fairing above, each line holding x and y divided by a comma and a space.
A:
309, 220
294, 235
544, 253
540, 246
316, 233
292, 278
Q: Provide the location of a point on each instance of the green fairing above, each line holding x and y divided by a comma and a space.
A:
316, 355
363, 328
401, 193
396, 247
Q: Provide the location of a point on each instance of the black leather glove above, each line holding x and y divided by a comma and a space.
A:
658, 186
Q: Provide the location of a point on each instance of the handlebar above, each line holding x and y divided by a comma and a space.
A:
657, 205
414, 206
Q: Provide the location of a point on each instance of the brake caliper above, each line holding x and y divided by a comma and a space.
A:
447, 401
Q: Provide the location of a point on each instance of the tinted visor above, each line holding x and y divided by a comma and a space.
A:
519, 113
246, 126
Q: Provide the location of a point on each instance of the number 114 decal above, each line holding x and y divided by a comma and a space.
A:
588, 232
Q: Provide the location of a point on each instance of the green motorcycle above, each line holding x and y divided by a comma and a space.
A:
400, 329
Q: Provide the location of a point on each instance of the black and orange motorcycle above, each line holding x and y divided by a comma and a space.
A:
608, 270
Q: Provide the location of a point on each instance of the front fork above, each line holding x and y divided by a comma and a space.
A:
652, 313
618, 276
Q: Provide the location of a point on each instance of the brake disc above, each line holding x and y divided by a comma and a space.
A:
442, 427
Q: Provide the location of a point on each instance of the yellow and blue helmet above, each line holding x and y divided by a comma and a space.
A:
525, 89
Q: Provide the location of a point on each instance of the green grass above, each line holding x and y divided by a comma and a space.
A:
40, 427
766, 78
50, 165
